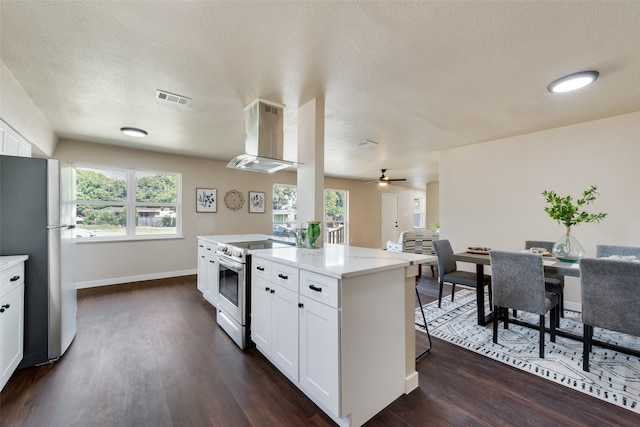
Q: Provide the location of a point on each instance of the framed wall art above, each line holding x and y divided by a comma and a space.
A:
256, 202
206, 200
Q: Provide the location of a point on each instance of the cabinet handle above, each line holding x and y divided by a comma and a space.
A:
300, 305
267, 289
282, 276
273, 291
260, 268
212, 261
14, 278
4, 307
315, 288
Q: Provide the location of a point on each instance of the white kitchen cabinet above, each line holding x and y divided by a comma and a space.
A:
261, 309
11, 320
202, 267
11, 143
207, 281
274, 315
352, 328
319, 353
213, 278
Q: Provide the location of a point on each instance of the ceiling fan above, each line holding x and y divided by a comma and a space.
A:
385, 179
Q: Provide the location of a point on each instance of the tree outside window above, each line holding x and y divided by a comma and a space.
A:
121, 203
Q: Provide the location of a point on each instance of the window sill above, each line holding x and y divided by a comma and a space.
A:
85, 240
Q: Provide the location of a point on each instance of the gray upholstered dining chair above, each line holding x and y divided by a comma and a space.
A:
553, 282
603, 251
518, 283
610, 298
448, 271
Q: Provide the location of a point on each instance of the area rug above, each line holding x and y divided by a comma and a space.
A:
614, 377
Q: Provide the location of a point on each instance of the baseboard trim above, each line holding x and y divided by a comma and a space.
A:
128, 279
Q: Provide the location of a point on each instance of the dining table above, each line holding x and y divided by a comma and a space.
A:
551, 266
481, 258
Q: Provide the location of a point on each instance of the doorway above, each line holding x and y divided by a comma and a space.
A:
389, 219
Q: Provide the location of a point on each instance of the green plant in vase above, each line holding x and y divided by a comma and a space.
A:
569, 213
313, 232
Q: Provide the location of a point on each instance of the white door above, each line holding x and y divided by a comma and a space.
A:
389, 219
284, 343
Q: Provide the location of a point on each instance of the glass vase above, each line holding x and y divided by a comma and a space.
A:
313, 235
567, 248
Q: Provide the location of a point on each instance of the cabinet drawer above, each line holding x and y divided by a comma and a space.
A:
261, 268
11, 278
285, 276
321, 288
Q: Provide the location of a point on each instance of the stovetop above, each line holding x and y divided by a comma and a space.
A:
239, 250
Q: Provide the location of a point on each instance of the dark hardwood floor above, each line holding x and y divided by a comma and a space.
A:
151, 354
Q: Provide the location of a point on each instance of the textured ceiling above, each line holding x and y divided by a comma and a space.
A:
416, 77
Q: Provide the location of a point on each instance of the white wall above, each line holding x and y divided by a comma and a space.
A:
490, 193
101, 263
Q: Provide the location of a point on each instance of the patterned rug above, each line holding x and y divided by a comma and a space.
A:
614, 377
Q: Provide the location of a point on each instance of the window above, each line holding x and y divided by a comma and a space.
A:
126, 203
285, 210
335, 214
285, 213
418, 212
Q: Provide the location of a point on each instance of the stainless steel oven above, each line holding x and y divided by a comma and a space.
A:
232, 299
234, 287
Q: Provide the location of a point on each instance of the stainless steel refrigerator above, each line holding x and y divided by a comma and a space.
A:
37, 219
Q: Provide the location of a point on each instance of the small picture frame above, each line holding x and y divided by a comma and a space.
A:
206, 200
256, 202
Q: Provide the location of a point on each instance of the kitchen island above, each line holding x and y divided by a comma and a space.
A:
339, 323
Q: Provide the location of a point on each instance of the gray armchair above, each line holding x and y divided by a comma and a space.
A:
610, 298
448, 271
518, 283
553, 282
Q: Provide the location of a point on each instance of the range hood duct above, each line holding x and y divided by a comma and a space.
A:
264, 141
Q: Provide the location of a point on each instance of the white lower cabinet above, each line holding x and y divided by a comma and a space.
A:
319, 350
274, 321
297, 333
11, 321
207, 281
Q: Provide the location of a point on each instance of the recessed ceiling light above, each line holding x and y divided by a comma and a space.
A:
573, 81
138, 133
367, 143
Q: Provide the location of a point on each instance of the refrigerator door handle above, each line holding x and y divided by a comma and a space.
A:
63, 226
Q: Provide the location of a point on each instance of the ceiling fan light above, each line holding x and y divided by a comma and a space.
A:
573, 81
135, 132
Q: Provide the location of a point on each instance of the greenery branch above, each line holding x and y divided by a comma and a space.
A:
565, 211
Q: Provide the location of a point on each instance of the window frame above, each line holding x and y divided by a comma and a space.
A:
420, 212
130, 203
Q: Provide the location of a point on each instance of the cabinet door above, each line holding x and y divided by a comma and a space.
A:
319, 353
211, 286
284, 345
202, 267
261, 314
11, 332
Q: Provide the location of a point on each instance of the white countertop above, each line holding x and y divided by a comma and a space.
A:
342, 261
231, 238
10, 261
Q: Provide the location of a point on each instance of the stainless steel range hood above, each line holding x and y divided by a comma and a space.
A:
264, 139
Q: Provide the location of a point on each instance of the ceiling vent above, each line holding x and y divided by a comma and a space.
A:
172, 97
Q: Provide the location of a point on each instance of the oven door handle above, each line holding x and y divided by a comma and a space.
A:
225, 262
